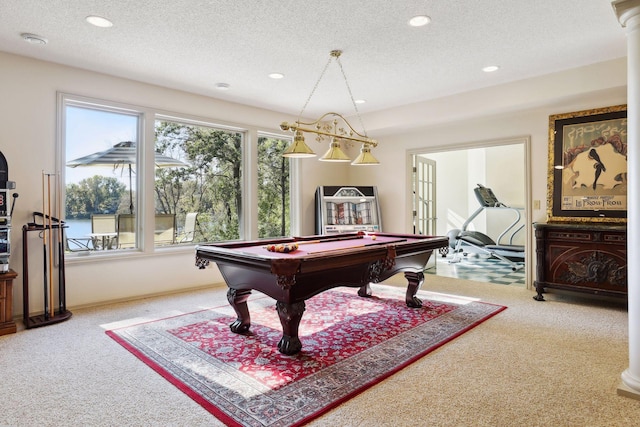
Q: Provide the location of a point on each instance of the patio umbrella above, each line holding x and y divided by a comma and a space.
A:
121, 154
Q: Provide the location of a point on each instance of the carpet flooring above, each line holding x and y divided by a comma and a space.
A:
543, 364
349, 344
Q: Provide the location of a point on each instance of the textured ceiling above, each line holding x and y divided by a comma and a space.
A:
193, 44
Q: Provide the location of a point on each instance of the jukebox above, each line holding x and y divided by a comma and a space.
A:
347, 209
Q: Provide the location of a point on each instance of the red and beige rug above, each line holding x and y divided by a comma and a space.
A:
349, 343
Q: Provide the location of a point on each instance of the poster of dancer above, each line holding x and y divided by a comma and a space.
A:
588, 165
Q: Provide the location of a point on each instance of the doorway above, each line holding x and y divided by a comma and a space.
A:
444, 179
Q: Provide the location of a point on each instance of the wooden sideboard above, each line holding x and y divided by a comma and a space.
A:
582, 257
7, 324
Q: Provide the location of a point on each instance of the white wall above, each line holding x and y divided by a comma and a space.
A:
506, 177
451, 183
458, 171
28, 140
511, 111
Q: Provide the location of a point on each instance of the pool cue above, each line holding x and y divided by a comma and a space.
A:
44, 253
51, 310
309, 242
61, 268
358, 246
334, 239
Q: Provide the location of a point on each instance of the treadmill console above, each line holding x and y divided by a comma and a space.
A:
486, 197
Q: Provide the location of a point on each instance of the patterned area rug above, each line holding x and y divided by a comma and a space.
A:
349, 343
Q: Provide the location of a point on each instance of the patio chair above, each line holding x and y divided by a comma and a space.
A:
188, 233
165, 229
103, 230
126, 231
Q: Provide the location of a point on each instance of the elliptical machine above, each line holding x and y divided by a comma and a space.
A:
463, 241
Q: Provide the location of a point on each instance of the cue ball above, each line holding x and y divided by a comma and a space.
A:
373, 237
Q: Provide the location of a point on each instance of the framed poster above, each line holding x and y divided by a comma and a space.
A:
587, 179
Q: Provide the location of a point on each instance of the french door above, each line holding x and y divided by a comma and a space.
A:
424, 196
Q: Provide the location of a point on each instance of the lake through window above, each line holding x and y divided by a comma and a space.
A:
100, 181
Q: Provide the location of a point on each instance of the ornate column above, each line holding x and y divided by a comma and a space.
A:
628, 14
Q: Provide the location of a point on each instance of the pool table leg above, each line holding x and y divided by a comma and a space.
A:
238, 300
365, 290
415, 281
290, 316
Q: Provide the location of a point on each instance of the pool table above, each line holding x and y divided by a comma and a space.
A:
294, 269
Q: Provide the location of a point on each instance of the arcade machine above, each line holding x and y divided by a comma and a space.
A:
5, 214
7, 324
347, 209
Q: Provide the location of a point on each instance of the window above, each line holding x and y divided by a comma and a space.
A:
101, 159
207, 183
273, 188
197, 179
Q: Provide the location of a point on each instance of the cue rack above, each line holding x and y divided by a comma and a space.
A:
49, 229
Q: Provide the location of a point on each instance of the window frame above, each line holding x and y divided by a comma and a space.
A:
264, 134
145, 198
190, 121
67, 100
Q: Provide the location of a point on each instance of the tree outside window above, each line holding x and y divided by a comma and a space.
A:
210, 186
273, 188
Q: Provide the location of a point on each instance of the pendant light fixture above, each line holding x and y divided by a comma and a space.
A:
332, 126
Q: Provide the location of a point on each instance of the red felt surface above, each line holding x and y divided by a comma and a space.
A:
321, 247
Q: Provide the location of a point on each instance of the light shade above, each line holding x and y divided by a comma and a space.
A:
365, 157
33, 38
335, 154
298, 148
99, 21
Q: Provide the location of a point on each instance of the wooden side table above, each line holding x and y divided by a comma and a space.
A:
7, 325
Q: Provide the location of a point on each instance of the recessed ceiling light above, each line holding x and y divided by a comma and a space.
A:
419, 21
99, 21
33, 38
360, 101
223, 86
490, 68
276, 76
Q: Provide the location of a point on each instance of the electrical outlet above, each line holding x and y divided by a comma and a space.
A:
536, 204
